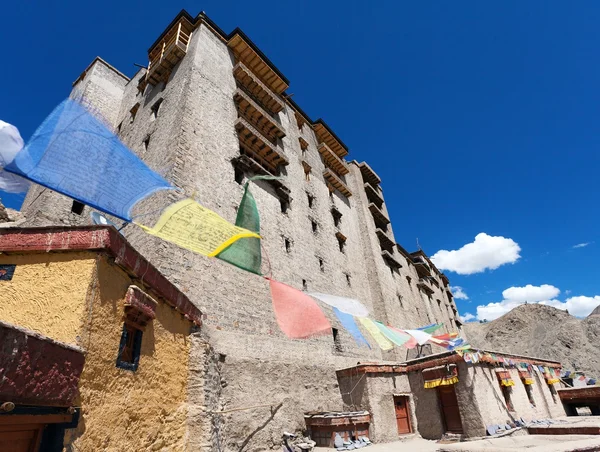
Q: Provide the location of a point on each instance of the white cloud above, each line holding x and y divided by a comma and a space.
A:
459, 293
485, 252
582, 245
467, 317
530, 293
580, 306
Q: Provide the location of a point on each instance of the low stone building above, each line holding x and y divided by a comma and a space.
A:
441, 393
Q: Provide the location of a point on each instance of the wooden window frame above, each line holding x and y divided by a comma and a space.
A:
135, 343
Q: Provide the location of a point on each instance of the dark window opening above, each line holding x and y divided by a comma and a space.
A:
337, 217
348, 279
506, 392
311, 200
399, 299
285, 205
304, 285
341, 243
553, 392
238, 174
222, 357
129, 348
408, 280
288, 245
119, 127
146, 143
337, 343
315, 226
155, 108
529, 391
321, 265
77, 207
133, 112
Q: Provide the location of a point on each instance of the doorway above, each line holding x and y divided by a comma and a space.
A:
450, 409
401, 407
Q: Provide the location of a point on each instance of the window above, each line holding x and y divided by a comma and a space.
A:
133, 112
307, 169
408, 280
238, 174
337, 217
119, 127
337, 344
311, 200
529, 391
287, 244
146, 143
321, 264
553, 392
506, 392
348, 279
129, 348
155, 108
341, 242
77, 207
315, 226
304, 285
285, 205
399, 299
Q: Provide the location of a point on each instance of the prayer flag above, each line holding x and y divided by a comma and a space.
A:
10, 144
375, 333
193, 227
298, 315
395, 336
431, 328
75, 154
245, 253
421, 336
349, 323
347, 305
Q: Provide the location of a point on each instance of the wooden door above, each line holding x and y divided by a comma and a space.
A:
449, 408
402, 414
20, 437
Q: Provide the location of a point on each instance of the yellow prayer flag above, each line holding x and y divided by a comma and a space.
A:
375, 333
196, 228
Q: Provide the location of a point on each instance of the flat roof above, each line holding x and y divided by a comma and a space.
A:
99, 238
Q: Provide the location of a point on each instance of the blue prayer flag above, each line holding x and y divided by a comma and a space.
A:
349, 323
75, 154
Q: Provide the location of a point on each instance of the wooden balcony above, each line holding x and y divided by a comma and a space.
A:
257, 89
449, 294
248, 54
445, 280
369, 175
381, 219
254, 142
335, 182
389, 260
405, 253
254, 113
251, 163
167, 53
326, 135
332, 160
422, 267
424, 286
373, 195
385, 242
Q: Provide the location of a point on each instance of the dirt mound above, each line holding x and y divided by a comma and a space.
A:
543, 332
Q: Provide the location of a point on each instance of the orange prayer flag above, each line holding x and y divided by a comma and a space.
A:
298, 315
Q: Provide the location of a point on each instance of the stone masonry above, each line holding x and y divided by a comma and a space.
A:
184, 128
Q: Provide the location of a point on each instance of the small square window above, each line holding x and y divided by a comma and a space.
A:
284, 204
133, 112
337, 343
400, 299
146, 143
311, 200
315, 226
77, 207
337, 217
155, 108
348, 279
341, 242
119, 127
321, 264
287, 244
129, 348
408, 280
304, 285
238, 175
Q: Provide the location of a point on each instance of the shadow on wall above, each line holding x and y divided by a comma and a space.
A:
470, 414
260, 427
352, 390
501, 402
427, 408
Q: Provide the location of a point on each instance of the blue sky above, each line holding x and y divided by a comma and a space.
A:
480, 117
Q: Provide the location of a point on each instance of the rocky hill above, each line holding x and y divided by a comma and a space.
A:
543, 332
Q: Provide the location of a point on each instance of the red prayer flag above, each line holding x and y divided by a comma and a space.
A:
298, 315
411, 343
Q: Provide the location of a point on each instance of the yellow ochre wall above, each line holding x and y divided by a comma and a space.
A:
47, 293
124, 410
78, 298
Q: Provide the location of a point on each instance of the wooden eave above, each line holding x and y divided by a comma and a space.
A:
405, 253
385, 242
434, 281
248, 108
445, 279
254, 141
306, 166
255, 87
422, 269
373, 194
326, 136
245, 53
381, 219
450, 296
369, 175
424, 287
332, 160
335, 182
389, 259
303, 143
